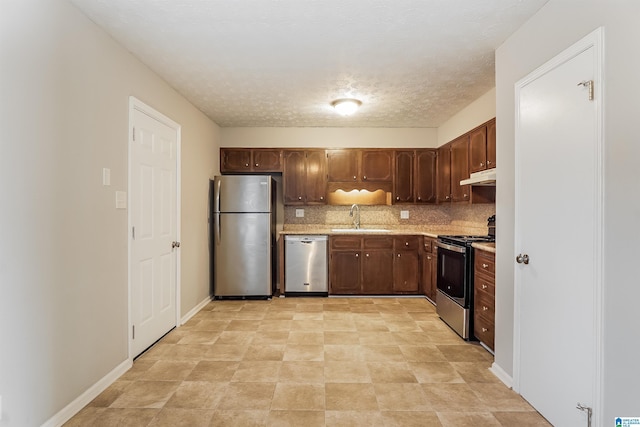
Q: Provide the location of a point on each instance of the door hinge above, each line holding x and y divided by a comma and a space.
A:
589, 85
133, 332
133, 233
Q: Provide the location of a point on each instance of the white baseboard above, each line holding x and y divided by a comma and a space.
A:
91, 393
194, 310
502, 375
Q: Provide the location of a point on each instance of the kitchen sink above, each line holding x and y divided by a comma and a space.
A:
360, 230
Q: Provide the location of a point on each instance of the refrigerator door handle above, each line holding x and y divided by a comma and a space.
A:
218, 196
217, 232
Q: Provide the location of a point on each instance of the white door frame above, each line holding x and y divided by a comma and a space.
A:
593, 40
136, 104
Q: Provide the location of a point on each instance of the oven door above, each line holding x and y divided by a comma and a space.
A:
452, 272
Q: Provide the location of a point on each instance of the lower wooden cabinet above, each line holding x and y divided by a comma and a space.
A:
484, 297
429, 277
374, 265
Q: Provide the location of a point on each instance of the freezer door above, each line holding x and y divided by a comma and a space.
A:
242, 193
242, 254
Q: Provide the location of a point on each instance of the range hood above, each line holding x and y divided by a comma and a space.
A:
486, 177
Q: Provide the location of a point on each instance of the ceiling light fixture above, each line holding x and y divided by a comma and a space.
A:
346, 106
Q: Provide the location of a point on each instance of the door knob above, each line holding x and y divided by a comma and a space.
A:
175, 245
522, 259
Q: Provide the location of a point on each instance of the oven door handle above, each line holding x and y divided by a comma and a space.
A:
454, 248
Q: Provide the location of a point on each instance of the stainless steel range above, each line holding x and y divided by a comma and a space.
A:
455, 282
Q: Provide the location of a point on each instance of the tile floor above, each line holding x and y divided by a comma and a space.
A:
311, 362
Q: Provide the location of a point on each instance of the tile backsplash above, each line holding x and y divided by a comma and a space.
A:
471, 218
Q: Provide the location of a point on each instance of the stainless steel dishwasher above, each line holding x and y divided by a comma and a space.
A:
306, 267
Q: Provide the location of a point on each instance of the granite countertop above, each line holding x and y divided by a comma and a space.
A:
489, 247
373, 230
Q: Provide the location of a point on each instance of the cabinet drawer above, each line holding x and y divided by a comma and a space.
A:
484, 330
378, 242
484, 305
485, 262
345, 242
428, 243
408, 243
485, 284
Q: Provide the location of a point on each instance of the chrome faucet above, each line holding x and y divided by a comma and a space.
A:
356, 218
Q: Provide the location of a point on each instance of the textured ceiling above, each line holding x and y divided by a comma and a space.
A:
412, 63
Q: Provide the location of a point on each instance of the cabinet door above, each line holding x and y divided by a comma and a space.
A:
460, 169
403, 183
294, 177
342, 165
491, 144
444, 173
425, 177
406, 267
478, 149
345, 272
377, 165
267, 160
235, 160
316, 177
377, 272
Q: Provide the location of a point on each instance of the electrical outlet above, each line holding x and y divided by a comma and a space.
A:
106, 176
121, 200
299, 213
404, 214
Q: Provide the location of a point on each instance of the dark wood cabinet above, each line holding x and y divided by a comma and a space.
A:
482, 147
444, 174
304, 173
415, 176
355, 165
491, 144
374, 265
250, 160
403, 191
425, 177
428, 273
460, 169
406, 265
484, 297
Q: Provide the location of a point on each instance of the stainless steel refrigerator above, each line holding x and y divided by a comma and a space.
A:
244, 227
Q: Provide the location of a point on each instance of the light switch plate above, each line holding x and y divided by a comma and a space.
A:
106, 176
299, 213
121, 200
404, 214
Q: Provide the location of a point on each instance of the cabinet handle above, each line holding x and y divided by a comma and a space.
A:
256, 165
485, 265
364, 177
465, 196
406, 243
321, 197
354, 177
299, 197
428, 257
488, 162
246, 165
419, 198
398, 255
446, 197
485, 308
367, 255
397, 197
484, 329
484, 286
481, 164
357, 255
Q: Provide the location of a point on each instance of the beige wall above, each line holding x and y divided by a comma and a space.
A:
555, 27
329, 137
65, 88
476, 113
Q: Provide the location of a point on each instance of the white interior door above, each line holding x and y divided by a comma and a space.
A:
558, 216
153, 216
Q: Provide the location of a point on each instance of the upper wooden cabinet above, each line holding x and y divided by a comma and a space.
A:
305, 177
444, 173
245, 160
415, 176
460, 169
355, 165
482, 147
